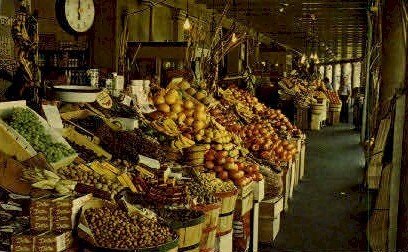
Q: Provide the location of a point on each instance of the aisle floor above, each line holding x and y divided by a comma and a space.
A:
328, 211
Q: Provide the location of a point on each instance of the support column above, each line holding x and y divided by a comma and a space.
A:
365, 127
352, 72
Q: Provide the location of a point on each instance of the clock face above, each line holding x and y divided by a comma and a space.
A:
78, 14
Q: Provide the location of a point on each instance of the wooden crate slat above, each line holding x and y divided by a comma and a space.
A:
375, 166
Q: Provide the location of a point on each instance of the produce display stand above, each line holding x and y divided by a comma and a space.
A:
302, 156
242, 218
19, 146
229, 200
224, 243
302, 120
334, 114
259, 194
287, 183
318, 115
209, 227
269, 216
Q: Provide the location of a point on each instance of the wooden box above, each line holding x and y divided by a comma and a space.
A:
259, 190
255, 227
269, 228
17, 146
76, 137
271, 208
302, 118
244, 205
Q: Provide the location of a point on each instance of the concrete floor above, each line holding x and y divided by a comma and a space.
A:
329, 209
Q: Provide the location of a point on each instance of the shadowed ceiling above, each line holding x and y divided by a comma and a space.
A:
335, 29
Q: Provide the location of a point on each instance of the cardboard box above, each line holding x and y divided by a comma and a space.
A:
55, 214
49, 241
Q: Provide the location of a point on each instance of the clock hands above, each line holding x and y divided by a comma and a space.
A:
79, 9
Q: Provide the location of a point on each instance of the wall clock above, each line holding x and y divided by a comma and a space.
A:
75, 16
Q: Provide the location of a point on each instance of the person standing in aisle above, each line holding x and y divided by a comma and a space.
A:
327, 84
344, 94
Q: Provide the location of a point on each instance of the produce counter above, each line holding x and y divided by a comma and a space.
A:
188, 178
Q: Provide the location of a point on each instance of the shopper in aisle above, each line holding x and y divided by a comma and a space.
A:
344, 93
327, 84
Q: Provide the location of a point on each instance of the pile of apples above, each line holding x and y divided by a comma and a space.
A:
228, 167
333, 97
262, 140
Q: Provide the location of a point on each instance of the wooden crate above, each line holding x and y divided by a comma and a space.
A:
244, 205
269, 228
302, 118
23, 149
375, 166
255, 227
302, 157
259, 190
76, 137
292, 178
271, 208
286, 186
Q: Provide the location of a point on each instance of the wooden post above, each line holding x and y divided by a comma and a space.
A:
393, 71
364, 127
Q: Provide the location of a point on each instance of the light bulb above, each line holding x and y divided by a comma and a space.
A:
281, 10
311, 55
187, 24
303, 59
234, 38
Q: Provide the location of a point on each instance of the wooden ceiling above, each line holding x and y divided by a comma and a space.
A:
336, 29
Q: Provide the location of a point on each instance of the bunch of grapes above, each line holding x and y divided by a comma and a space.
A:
27, 124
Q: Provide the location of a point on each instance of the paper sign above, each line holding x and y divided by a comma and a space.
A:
127, 100
150, 162
104, 100
53, 116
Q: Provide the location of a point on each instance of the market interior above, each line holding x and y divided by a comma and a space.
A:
203, 125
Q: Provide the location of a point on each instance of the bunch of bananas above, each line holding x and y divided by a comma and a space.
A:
195, 154
244, 112
166, 126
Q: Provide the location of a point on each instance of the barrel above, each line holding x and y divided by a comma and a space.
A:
189, 233
212, 212
318, 108
228, 200
335, 107
334, 114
